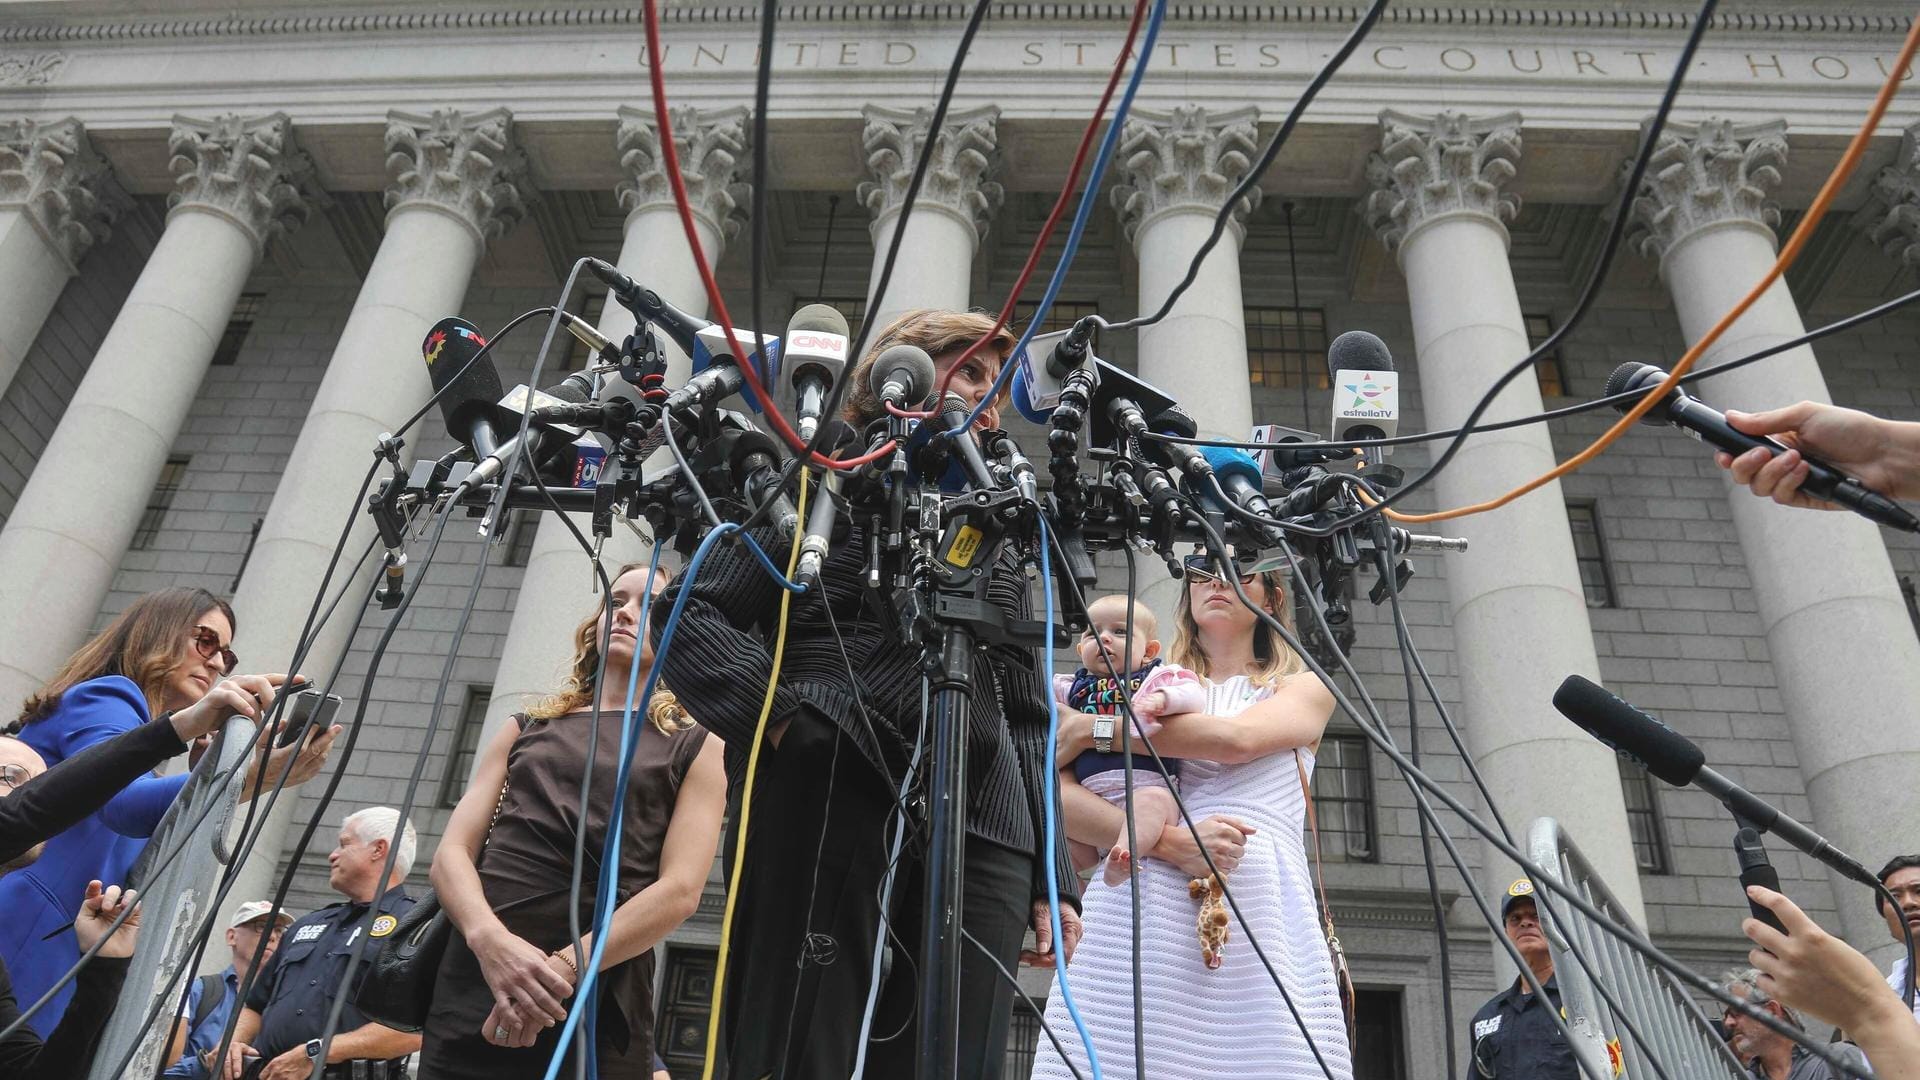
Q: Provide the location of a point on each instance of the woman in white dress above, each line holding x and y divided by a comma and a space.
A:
1241, 784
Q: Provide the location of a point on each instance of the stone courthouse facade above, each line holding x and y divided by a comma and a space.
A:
224, 230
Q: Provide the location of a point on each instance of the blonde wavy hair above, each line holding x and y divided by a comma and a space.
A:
932, 329
577, 690
142, 643
1273, 659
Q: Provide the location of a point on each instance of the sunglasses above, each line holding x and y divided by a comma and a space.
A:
206, 642
1200, 571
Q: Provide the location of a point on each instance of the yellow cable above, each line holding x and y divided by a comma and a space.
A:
746, 792
1788, 253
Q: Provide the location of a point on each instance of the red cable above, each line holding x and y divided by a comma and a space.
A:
670, 155
1053, 218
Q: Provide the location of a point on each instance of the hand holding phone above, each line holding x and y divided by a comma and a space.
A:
1756, 870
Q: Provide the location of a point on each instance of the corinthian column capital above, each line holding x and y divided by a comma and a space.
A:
964, 155
462, 164
1891, 217
1705, 174
52, 173
1448, 163
1188, 158
247, 169
712, 145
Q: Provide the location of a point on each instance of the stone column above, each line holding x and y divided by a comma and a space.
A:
558, 588
455, 182
1842, 646
1176, 170
57, 197
1519, 614
238, 182
950, 215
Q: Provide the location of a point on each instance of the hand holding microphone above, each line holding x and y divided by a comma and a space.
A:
1883, 454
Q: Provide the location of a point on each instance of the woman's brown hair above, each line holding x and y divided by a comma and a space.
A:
932, 329
577, 691
142, 643
1274, 660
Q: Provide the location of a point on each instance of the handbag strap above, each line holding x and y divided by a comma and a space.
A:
1313, 826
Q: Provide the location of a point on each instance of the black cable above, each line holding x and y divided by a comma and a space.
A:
1126, 705
1616, 400
1383, 545
1038, 1013
1133, 838
1623, 213
1418, 777
837, 393
1267, 156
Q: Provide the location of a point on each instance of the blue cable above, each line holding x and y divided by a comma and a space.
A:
1053, 803
1072, 247
587, 990
778, 577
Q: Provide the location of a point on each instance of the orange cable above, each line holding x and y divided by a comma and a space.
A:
1788, 253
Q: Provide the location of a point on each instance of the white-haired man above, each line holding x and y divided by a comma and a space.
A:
278, 1034
1768, 1054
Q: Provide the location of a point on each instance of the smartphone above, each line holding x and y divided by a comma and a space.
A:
307, 710
1756, 870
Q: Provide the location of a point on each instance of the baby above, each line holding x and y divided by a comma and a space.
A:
1156, 689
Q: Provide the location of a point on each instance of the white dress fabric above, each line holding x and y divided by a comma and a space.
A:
1229, 1022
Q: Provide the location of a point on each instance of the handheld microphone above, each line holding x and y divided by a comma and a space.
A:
1710, 426
815, 348
647, 306
467, 390
901, 376
1041, 369
820, 518
953, 417
1675, 759
755, 463
534, 440
1366, 390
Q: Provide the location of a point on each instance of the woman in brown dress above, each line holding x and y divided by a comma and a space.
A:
507, 981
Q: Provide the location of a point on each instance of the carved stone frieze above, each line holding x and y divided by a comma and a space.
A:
52, 173
964, 155
1705, 173
1187, 157
248, 169
712, 147
1445, 163
463, 163
1891, 217
31, 69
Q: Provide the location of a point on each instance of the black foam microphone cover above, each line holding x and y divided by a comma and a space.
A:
469, 392
1357, 350
1665, 752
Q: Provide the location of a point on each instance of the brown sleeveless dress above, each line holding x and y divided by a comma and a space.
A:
525, 869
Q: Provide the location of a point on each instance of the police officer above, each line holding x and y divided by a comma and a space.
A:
1513, 1036
277, 1036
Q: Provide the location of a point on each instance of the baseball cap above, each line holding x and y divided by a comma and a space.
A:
1516, 892
254, 909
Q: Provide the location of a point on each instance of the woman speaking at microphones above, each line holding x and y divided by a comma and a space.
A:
808, 919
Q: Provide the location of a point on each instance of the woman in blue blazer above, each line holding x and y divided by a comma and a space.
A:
162, 654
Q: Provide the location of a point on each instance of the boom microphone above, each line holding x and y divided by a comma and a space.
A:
647, 306
1675, 759
1366, 390
1710, 426
815, 347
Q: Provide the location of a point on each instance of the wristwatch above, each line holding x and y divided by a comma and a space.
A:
1103, 734
313, 1049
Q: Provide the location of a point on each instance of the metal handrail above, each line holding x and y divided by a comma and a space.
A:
1678, 1034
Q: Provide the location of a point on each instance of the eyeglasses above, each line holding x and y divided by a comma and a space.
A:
206, 642
12, 776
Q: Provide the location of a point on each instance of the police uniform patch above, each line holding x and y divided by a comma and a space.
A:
383, 926
309, 933
1484, 1028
